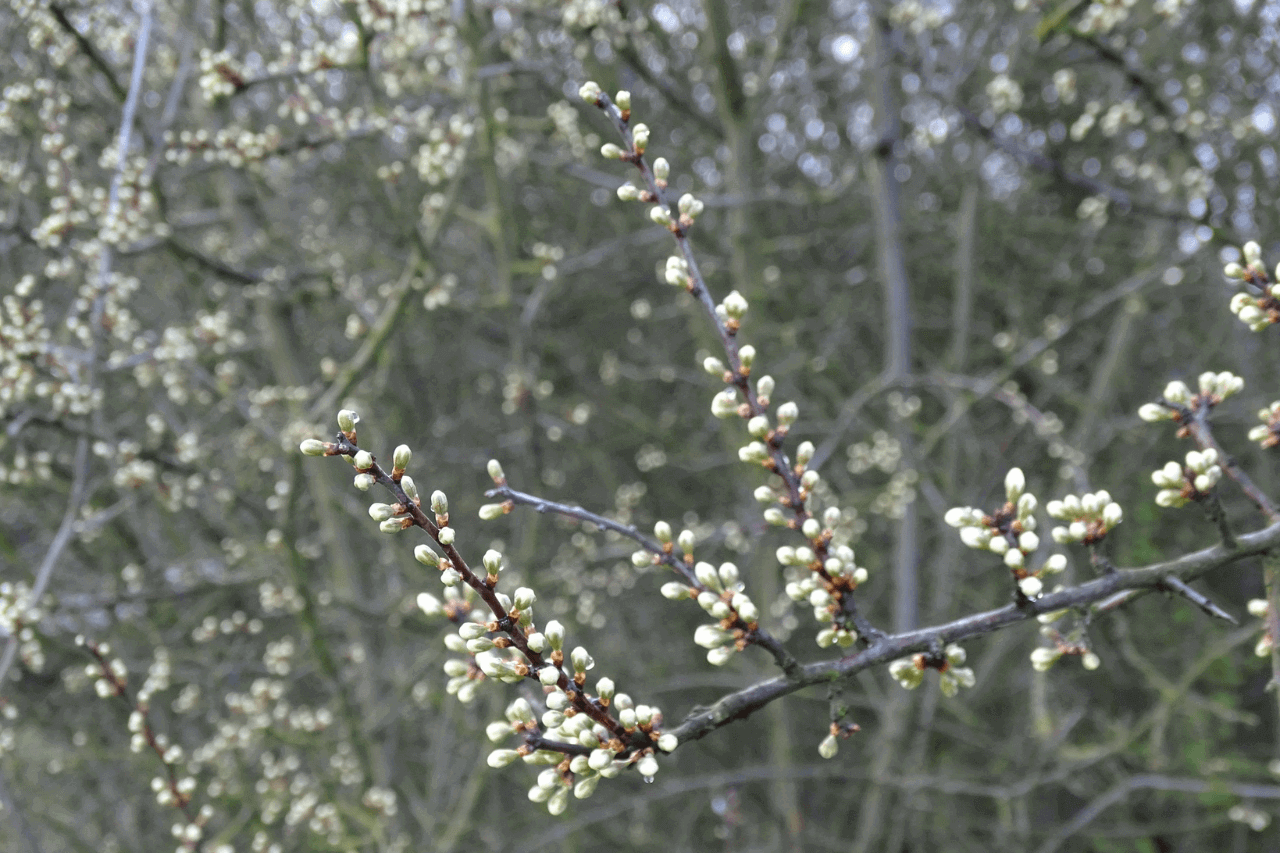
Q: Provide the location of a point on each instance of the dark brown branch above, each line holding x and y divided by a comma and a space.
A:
743, 703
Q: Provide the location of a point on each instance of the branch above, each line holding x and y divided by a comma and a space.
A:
742, 703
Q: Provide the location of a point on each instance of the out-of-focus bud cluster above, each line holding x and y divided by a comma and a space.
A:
909, 672
1177, 397
1089, 517
1258, 305
1008, 532
1268, 432
1259, 609
1071, 644
1193, 481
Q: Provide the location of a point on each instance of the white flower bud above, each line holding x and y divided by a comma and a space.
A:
495, 472
313, 447
589, 91
363, 460
347, 420
1014, 484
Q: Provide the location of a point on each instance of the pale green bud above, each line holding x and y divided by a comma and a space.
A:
479, 644
524, 598
668, 742
829, 746
689, 205
640, 137
707, 576
812, 528
554, 632
659, 215
605, 689
710, 364
364, 460
492, 561
628, 192
410, 487
755, 452
675, 591
549, 675
804, 453
471, 630
401, 456
725, 404
735, 305
758, 426
381, 512
439, 503
661, 169
686, 540
720, 655
641, 559
775, 516
347, 420
764, 495
1252, 252
313, 447
589, 91
581, 660
662, 531
1014, 484
489, 512
787, 414
392, 525
363, 482
502, 757
610, 151
426, 556
764, 387
623, 99
1233, 270
446, 535
747, 356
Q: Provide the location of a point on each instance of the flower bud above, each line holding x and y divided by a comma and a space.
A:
401, 456
775, 517
410, 487
623, 99
787, 414
710, 364
661, 169
347, 420
392, 525
581, 660
829, 747
313, 447
1252, 252
363, 460
764, 387
1014, 484
735, 305
640, 137
426, 556
381, 512
549, 675
446, 535
804, 453
496, 473
364, 481
555, 633
659, 215
492, 561
662, 531
589, 91
489, 512
686, 540
611, 151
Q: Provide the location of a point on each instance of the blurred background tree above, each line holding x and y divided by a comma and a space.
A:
974, 236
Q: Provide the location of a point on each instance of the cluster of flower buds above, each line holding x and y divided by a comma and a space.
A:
1268, 432
1179, 484
823, 582
720, 593
1008, 532
1044, 657
909, 672
1178, 399
1089, 517
1259, 609
1258, 306
559, 723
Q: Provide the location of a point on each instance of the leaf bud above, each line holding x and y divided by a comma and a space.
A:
347, 420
